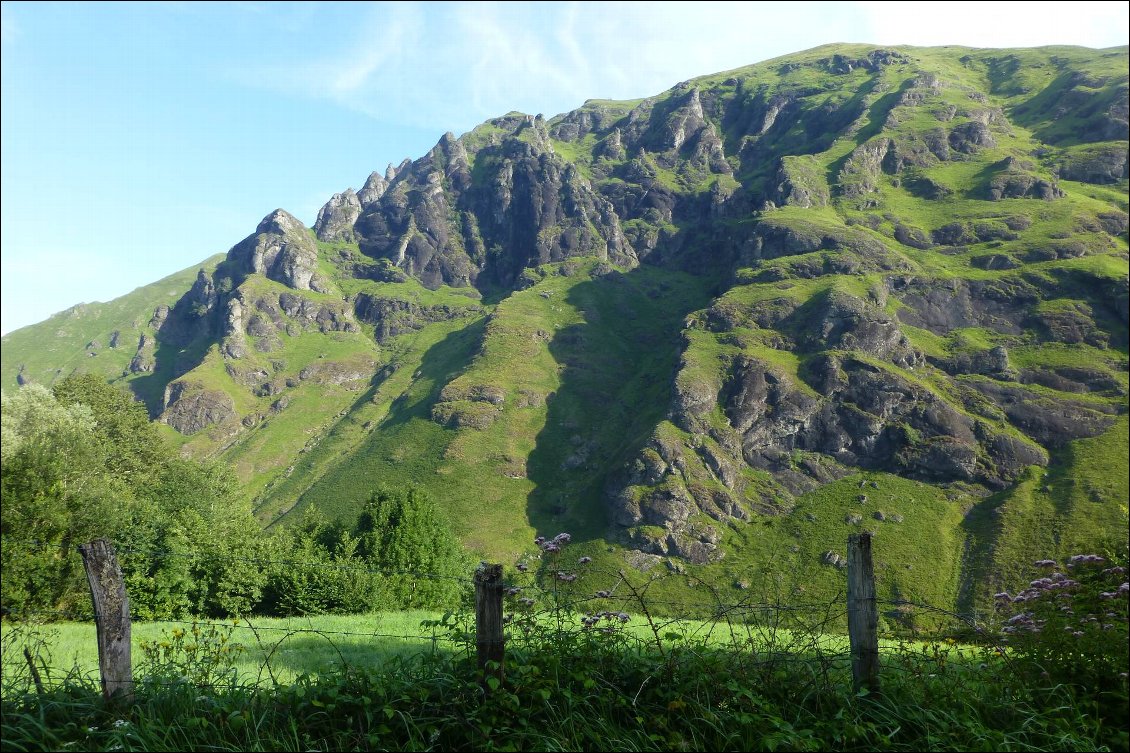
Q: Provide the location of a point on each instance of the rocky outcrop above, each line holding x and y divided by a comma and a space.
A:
1096, 163
190, 407
338, 372
799, 183
1050, 421
337, 216
842, 321
374, 188
281, 249
1016, 179
144, 360
395, 316
971, 137
943, 306
468, 406
860, 173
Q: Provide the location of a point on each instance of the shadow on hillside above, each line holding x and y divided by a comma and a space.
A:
616, 379
439, 365
349, 477
169, 362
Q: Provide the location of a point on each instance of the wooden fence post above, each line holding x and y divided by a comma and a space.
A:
488, 621
111, 617
863, 614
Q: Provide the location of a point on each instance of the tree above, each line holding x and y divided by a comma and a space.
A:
55, 496
317, 570
133, 448
87, 463
406, 536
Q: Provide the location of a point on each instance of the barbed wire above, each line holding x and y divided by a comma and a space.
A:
546, 581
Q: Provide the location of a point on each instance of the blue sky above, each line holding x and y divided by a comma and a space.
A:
139, 139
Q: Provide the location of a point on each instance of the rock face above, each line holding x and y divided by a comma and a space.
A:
905, 272
337, 216
281, 249
191, 407
392, 317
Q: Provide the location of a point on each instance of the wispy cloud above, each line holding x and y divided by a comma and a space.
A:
9, 29
447, 66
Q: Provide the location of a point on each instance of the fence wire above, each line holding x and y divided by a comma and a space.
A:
546, 594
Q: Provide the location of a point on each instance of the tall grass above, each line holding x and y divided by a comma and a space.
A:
614, 686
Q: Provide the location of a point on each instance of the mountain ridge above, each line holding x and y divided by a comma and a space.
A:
774, 281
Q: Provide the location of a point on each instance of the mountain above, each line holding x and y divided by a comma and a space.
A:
709, 332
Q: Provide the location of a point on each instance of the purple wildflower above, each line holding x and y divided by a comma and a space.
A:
567, 577
562, 538
1045, 563
1003, 595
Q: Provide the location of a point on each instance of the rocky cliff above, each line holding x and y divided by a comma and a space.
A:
662, 321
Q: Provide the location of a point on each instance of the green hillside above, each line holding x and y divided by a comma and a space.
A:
709, 333
95, 338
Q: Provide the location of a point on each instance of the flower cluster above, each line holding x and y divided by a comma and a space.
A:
1057, 581
1070, 624
591, 620
553, 545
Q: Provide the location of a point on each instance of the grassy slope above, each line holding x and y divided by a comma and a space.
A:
58, 346
553, 350
1081, 498
586, 364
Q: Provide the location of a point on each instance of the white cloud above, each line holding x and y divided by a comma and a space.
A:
998, 24
447, 67
9, 29
451, 65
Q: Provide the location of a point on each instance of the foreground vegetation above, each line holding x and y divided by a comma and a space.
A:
1053, 678
573, 690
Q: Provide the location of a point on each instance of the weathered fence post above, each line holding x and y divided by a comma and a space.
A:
863, 614
488, 621
111, 617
